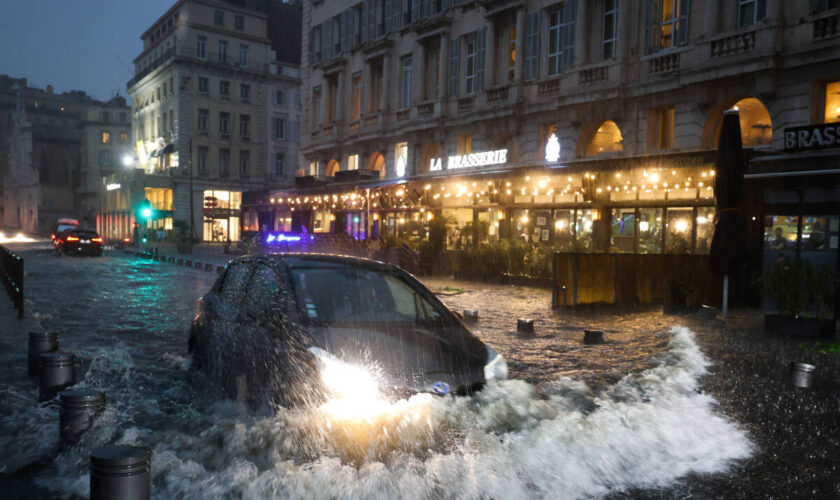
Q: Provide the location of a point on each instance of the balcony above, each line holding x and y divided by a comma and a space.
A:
403, 114
425, 108
498, 94
738, 43
151, 67
826, 27
591, 76
465, 103
664, 64
546, 87
371, 121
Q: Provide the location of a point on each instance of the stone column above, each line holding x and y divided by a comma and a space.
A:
444, 66
520, 46
490, 58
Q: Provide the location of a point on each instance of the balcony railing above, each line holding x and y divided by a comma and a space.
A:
403, 114
372, 120
664, 63
425, 108
498, 94
211, 58
548, 86
152, 66
465, 103
827, 27
732, 45
590, 76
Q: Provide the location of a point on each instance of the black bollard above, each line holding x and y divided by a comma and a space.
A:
470, 316
525, 325
593, 337
120, 472
57, 371
802, 375
39, 343
78, 409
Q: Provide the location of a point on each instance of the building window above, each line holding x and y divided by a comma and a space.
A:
667, 24
405, 89
203, 118
224, 87
201, 47
123, 116
219, 18
821, 5
244, 160
532, 46
316, 107
832, 102
750, 11
224, 162
375, 87
239, 22
105, 137
202, 160
279, 128
511, 53
471, 67
464, 146
279, 164
105, 158
278, 97
245, 91
223, 51
606, 139
561, 38
661, 129
454, 62
313, 168
357, 98
123, 137
105, 116
243, 55
245, 126
353, 162
203, 85
332, 98
610, 29
401, 158
224, 123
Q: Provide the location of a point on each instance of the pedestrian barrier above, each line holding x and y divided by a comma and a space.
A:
180, 262
121, 472
208, 267
57, 371
39, 343
11, 273
187, 263
78, 409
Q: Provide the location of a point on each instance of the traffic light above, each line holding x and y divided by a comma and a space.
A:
145, 211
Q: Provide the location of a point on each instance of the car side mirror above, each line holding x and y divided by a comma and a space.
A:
458, 314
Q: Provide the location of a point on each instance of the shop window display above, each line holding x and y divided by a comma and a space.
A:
623, 229
679, 229
781, 233
650, 230
563, 228
705, 229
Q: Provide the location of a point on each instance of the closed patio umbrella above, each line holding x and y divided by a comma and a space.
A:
727, 243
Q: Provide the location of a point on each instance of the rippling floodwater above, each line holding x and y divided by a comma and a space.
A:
580, 422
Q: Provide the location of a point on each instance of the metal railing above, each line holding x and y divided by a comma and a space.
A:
11, 273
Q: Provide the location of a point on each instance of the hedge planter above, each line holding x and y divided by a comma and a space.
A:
781, 324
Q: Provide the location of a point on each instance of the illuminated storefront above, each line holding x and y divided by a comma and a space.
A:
221, 215
161, 201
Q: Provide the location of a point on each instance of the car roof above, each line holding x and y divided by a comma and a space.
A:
292, 260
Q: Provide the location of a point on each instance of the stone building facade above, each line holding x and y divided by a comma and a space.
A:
214, 114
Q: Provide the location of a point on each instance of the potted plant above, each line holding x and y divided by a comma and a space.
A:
802, 296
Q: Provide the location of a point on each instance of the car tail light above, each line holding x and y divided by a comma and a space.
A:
96, 240
72, 238
126, 240
52, 236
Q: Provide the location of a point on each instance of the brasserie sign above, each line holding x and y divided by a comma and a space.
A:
826, 135
496, 157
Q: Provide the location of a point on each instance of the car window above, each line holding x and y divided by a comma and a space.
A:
233, 284
64, 227
352, 295
262, 290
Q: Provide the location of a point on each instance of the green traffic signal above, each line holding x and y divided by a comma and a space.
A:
146, 213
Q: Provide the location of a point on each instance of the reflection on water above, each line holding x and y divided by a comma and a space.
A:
643, 426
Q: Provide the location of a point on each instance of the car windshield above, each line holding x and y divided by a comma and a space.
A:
64, 227
344, 295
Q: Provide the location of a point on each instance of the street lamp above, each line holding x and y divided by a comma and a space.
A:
128, 160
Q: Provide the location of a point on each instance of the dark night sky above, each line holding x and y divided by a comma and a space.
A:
75, 44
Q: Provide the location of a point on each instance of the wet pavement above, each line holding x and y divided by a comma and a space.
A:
644, 415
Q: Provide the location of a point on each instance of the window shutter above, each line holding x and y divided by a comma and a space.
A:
480, 56
454, 57
682, 31
532, 46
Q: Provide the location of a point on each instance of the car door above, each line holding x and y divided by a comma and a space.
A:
222, 352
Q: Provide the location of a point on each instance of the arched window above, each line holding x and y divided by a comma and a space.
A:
605, 139
756, 126
377, 163
333, 167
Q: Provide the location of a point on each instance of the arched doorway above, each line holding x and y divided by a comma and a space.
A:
605, 139
333, 167
756, 125
429, 152
377, 163
300, 173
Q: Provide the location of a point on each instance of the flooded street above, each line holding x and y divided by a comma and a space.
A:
574, 421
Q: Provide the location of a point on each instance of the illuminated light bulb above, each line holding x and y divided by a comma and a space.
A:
524, 219
569, 179
700, 184
541, 183
673, 172
644, 225
527, 178
272, 200
507, 184
681, 225
712, 173
609, 188
475, 185
735, 108
559, 224
429, 216
501, 215
508, 191
427, 187
654, 178
400, 192
703, 174
598, 190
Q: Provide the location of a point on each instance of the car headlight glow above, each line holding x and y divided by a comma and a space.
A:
496, 367
354, 389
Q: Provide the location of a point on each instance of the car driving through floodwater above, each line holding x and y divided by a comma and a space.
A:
292, 328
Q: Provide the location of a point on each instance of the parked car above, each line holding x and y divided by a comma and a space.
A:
62, 226
78, 242
294, 328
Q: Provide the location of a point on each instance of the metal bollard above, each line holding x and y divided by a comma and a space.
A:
39, 343
120, 472
208, 267
187, 263
56, 371
802, 374
470, 316
592, 337
78, 409
180, 262
525, 325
